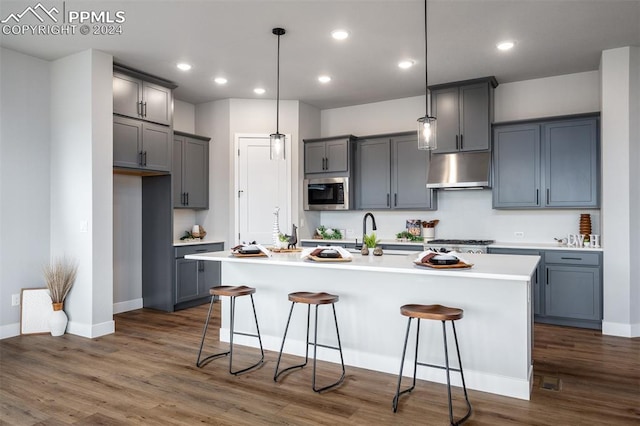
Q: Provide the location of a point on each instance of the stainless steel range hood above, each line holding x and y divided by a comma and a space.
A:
465, 170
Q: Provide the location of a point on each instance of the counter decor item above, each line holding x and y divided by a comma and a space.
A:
407, 236
371, 242
429, 229
250, 250
326, 254
414, 227
435, 260
59, 275
276, 234
324, 233
585, 226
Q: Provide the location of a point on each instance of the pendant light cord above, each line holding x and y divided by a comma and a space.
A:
426, 64
278, 90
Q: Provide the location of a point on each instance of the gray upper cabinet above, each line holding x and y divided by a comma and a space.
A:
141, 145
546, 164
137, 98
327, 155
464, 112
391, 173
190, 171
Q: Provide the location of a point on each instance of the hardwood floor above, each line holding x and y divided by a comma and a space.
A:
145, 373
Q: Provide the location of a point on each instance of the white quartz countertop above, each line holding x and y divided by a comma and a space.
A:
179, 243
540, 246
496, 267
409, 244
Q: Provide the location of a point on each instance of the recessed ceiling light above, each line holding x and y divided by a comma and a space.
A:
220, 80
324, 79
339, 34
184, 66
505, 45
259, 91
406, 64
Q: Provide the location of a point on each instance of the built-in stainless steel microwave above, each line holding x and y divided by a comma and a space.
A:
326, 193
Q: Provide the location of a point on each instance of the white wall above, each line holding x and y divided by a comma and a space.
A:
469, 214
551, 96
81, 185
184, 116
620, 70
24, 173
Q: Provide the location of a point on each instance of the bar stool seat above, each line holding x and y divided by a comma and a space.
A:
233, 292
309, 299
435, 313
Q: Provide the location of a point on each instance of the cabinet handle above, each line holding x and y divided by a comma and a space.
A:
145, 159
144, 105
571, 258
547, 195
187, 195
461, 141
139, 108
200, 265
395, 199
326, 163
537, 197
388, 198
184, 198
456, 141
201, 251
140, 158
547, 276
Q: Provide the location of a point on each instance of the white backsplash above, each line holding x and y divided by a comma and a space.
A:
468, 214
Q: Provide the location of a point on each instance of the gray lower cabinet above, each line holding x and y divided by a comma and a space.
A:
573, 288
391, 173
141, 145
464, 111
567, 288
190, 171
194, 278
546, 164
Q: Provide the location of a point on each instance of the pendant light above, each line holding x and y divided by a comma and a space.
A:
277, 139
427, 124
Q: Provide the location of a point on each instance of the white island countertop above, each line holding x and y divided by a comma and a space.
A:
495, 294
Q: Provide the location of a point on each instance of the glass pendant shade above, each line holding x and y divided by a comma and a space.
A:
427, 131
276, 146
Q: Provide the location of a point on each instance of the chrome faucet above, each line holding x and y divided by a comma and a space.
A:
364, 228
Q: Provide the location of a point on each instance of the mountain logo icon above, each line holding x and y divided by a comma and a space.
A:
39, 11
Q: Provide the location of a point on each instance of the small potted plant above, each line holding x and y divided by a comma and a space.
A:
59, 276
371, 242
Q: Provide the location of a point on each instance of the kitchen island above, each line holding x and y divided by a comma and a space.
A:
495, 334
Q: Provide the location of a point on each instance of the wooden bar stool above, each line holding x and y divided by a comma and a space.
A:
233, 292
437, 313
312, 299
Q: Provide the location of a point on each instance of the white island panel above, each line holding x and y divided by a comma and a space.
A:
494, 335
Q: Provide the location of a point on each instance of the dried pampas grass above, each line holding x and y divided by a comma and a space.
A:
60, 276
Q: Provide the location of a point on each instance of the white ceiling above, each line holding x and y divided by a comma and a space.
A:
233, 39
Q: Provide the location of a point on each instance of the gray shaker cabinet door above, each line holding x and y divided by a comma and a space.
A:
127, 142
158, 103
314, 157
195, 172
337, 155
516, 162
373, 181
186, 279
127, 92
209, 276
573, 292
409, 175
571, 163
475, 129
176, 171
444, 106
156, 147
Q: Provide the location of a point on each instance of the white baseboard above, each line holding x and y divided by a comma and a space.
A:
9, 330
91, 330
620, 329
127, 305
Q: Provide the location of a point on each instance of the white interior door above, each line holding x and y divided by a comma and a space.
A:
262, 185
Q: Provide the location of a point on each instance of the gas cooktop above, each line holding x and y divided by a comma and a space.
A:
463, 242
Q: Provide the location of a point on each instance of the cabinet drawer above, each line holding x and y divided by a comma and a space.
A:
572, 257
197, 248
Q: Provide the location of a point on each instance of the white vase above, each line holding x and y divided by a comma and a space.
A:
58, 320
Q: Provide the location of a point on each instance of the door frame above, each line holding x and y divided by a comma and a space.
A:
236, 177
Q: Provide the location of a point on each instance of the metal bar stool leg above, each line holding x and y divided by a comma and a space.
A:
284, 338
464, 386
315, 348
233, 332
204, 333
404, 352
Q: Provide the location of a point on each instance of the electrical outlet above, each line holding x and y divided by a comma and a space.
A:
15, 300
519, 234
84, 226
